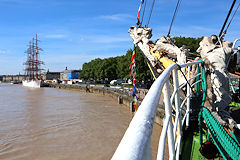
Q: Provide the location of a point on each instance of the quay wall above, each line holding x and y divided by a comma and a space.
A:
116, 94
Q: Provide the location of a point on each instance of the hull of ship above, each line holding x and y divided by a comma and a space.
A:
32, 83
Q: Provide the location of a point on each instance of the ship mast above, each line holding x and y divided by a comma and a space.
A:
33, 64
36, 63
28, 63
33, 58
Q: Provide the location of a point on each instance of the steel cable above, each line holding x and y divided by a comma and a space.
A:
225, 22
174, 15
150, 14
231, 20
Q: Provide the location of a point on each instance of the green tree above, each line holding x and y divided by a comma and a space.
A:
190, 43
142, 70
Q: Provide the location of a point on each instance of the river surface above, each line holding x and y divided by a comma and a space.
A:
55, 124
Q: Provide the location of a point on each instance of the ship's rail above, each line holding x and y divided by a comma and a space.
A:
234, 82
136, 143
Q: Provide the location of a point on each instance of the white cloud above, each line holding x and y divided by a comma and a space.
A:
110, 39
16, 1
24, 2
32, 2
80, 40
4, 52
78, 58
67, 58
187, 31
55, 36
117, 17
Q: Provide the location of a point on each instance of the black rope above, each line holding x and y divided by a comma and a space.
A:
231, 20
174, 15
145, 2
179, 67
150, 13
225, 22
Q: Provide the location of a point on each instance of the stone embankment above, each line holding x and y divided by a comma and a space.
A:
117, 94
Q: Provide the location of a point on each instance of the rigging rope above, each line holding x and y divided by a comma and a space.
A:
174, 15
143, 12
184, 76
225, 22
231, 20
150, 14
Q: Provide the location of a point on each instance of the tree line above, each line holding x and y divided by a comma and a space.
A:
118, 67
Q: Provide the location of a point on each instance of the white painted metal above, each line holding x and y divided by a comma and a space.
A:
168, 113
177, 102
32, 83
136, 142
162, 140
188, 95
234, 43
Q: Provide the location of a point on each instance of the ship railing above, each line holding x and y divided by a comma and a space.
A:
136, 142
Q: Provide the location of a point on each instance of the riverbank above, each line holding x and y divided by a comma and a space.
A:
116, 94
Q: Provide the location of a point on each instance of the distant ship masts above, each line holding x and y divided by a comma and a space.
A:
33, 63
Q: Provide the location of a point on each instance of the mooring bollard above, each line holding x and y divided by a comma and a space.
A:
132, 109
120, 100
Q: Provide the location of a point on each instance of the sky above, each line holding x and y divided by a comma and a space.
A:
73, 32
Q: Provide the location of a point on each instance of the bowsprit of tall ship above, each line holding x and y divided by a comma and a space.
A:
33, 65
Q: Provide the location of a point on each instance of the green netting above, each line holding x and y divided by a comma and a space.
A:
227, 146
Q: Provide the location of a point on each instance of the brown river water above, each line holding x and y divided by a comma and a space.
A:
55, 124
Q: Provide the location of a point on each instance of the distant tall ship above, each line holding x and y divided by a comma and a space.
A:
33, 65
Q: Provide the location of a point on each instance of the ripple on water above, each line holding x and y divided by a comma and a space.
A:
57, 124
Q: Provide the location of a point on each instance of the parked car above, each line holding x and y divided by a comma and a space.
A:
113, 82
119, 81
129, 81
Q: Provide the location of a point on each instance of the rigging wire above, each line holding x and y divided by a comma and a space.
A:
231, 20
145, 2
150, 14
225, 22
174, 15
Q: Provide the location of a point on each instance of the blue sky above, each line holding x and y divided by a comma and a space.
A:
73, 32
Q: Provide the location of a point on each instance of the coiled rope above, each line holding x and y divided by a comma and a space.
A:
226, 145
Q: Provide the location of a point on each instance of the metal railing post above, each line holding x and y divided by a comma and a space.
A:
188, 95
177, 98
178, 109
168, 113
162, 140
